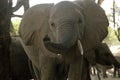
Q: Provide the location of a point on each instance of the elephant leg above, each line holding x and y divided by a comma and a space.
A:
119, 73
104, 74
114, 74
94, 72
79, 70
62, 71
48, 69
35, 73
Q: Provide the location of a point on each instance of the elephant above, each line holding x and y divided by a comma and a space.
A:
105, 58
103, 52
116, 69
63, 34
19, 61
115, 65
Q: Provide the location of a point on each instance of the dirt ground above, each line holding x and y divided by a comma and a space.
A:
109, 78
96, 78
109, 74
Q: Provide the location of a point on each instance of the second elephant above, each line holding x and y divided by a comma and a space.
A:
105, 58
19, 61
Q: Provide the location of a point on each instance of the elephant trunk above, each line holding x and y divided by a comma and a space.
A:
66, 38
55, 48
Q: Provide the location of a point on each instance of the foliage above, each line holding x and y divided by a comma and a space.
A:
111, 38
16, 24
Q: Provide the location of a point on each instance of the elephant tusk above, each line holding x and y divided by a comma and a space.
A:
80, 46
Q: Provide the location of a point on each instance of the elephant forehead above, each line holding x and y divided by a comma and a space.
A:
63, 9
64, 5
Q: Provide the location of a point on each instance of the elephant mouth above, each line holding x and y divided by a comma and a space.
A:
60, 48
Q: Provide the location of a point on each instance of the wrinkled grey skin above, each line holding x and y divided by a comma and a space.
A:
19, 61
48, 30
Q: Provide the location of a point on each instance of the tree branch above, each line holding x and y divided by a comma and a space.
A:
15, 15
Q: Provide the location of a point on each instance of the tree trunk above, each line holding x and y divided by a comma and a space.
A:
24, 3
100, 2
5, 39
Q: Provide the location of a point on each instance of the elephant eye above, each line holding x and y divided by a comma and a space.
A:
52, 24
79, 20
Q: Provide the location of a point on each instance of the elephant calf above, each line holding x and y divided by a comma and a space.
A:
19, 61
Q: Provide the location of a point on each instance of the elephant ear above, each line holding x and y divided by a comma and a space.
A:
96, 23
32, 22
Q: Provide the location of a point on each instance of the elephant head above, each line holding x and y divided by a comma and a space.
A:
70, 21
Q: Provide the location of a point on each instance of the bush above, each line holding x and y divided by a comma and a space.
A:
16, 24
111, 38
